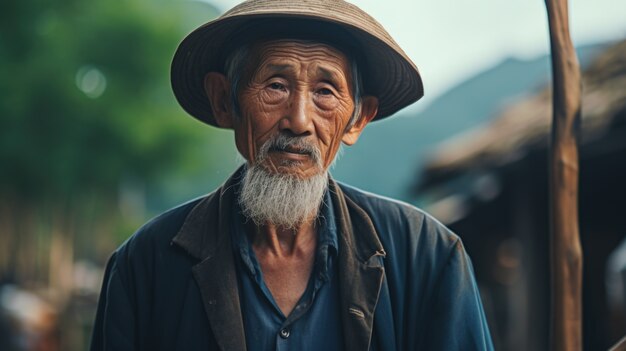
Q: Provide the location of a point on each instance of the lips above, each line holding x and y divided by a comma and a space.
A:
291, 150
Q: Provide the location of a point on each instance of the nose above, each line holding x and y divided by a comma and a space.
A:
298, 115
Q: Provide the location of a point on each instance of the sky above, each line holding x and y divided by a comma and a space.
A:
450, 40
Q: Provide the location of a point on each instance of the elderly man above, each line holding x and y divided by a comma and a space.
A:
281, 257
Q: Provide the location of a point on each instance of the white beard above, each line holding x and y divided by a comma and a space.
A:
282, 199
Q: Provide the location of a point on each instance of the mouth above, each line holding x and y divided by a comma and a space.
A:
288, 156
290, 150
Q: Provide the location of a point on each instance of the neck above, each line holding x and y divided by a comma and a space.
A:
286, 257
281, 242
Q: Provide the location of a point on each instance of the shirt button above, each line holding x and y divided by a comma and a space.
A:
284, 333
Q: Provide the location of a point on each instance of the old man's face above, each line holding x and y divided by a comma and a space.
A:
299, 90
295, 105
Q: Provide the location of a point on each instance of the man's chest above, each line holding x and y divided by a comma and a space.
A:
286, 277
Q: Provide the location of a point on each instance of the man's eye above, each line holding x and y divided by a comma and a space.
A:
277, 86
324, 91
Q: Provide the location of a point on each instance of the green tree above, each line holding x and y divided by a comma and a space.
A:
86, 114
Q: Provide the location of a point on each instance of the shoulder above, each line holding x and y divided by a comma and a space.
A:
149, 250
395, 220
150, 247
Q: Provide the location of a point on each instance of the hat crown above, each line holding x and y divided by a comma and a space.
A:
329, 10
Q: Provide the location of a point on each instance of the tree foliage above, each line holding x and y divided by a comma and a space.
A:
85, 96
86, 105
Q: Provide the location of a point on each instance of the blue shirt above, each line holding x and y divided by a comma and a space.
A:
315, 321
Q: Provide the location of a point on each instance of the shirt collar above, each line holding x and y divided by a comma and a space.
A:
327, 244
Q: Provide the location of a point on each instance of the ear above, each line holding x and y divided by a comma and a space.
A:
369, 109
217, 89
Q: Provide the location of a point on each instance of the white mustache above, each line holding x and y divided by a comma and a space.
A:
283, 142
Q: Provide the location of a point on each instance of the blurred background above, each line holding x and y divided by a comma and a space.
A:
93, 144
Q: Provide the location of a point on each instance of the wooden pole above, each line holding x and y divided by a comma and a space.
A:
566, 253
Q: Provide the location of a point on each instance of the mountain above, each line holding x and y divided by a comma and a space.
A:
389, 154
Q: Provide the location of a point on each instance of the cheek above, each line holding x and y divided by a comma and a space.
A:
335, 142
254, 128
331, 134
242, 140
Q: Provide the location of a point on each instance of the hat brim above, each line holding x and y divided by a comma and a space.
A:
386, 71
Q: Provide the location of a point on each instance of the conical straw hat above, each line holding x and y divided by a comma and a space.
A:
387, 72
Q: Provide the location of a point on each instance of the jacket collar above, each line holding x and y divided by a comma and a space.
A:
360, 268
206, 236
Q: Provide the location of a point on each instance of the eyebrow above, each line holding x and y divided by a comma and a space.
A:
327, 74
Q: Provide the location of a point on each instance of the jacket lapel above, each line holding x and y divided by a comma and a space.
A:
361, 270
218, 286
206, 236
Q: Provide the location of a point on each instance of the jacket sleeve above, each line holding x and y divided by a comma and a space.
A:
458, 319
114, 327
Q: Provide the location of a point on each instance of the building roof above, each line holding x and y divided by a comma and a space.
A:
526, 124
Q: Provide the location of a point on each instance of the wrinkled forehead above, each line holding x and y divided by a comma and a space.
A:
278, 54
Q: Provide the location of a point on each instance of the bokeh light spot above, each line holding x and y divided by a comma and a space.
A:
91, 81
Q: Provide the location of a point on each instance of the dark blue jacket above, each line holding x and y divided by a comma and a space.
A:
406, 282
